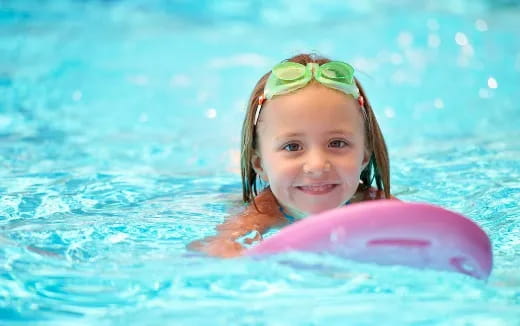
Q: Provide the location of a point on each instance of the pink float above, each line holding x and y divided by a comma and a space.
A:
390, 232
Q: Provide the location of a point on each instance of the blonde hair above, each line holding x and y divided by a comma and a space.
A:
378, 168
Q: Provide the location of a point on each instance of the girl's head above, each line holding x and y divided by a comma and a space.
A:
315, 139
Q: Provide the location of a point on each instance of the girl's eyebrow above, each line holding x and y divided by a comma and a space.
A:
290, 135
301, 134
340, 131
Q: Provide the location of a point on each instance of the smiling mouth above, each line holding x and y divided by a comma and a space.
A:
317, 189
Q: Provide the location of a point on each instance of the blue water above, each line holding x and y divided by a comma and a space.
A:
119, 138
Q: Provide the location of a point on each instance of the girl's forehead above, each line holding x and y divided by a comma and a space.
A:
310, 107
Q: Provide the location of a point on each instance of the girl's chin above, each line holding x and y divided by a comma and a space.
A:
318, 209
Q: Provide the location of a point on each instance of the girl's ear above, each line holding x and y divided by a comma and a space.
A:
256, 163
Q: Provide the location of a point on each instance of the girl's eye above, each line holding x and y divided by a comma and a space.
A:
338, 143
292, 147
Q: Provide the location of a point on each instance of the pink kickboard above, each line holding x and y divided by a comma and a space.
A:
390, 232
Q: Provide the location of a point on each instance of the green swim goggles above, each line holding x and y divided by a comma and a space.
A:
289, 76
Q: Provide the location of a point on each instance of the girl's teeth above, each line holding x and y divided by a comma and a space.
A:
317, 188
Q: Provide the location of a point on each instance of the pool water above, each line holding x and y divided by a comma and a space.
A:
119, 139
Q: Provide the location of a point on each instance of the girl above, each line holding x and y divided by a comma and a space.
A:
311, 139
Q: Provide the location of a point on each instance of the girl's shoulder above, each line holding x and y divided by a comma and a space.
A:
259, 215
266, 207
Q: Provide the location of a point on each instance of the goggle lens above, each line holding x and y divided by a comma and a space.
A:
337, 71
288, 71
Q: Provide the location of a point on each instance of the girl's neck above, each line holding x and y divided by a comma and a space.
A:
294, 215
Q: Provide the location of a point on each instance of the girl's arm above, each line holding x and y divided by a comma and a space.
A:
224, 243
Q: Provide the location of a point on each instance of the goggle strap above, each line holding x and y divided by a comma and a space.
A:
261, 100
361, 101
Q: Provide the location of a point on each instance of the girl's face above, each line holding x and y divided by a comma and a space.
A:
311, 149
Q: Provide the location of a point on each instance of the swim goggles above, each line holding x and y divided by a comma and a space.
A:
289, 76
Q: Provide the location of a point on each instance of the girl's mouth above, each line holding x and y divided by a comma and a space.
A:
321, 189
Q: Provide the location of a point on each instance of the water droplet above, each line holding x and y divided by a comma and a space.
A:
434, 40
481, 25
211, 113
461, 39
405, 39
492, 82
389, 112
438, 103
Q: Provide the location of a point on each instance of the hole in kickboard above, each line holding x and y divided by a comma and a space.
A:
399, 243
462, 265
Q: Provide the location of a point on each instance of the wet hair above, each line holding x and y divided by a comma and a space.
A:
377, 169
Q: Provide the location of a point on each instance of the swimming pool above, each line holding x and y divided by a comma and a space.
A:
119, 137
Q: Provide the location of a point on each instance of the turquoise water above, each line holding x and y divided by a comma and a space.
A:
119, 137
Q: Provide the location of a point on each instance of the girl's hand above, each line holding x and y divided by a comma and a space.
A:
242, 230
218, 247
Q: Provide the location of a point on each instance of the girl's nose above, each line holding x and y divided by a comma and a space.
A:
316, 164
